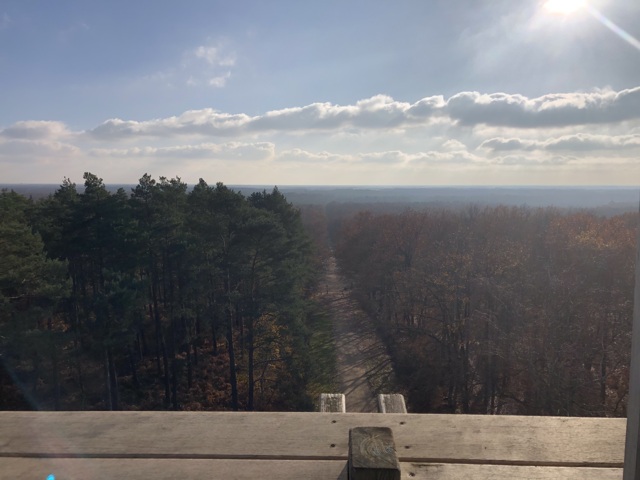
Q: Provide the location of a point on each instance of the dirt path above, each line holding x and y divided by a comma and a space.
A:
364, 368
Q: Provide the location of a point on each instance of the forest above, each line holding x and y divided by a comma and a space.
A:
202, 298
499, 310
162, 298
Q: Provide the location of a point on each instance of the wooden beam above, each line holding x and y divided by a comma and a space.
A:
332, 403
372, 454
536, 441
391, 403
171, 469
443, 471
632, 444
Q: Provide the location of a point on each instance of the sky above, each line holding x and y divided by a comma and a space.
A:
332, 92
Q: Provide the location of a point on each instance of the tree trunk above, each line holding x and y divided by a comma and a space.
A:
240, 323
250, 347
189, 367
54, 364
603, 368
107, 381
158, 333
165, 363
113, 381
134, 371
214, 337
174, 368
83, 398
56, 379
77, 344
232, 360
142, 340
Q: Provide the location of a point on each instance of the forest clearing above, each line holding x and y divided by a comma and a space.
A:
363, 366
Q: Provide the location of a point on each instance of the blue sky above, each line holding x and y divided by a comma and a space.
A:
422, 92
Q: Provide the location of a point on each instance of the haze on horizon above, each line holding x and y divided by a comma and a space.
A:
319, 93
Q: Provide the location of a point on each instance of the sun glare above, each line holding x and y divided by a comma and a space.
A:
563, 7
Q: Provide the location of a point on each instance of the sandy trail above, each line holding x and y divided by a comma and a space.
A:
364, 367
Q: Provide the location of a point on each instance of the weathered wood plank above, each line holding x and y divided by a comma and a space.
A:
391, 403
502, 472
332, 403
171, 469
552, 441
372, 454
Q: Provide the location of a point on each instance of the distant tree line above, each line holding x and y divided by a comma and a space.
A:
166, 297
499, 310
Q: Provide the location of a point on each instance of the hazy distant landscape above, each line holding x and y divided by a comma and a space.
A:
605, 199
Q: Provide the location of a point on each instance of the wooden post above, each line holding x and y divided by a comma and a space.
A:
332, 402
372, 454
631, 452
391, 403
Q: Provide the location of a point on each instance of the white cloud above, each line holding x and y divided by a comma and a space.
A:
578, 142
209, 65
210, 54
521, 160
554, 110
35, 148
389, 158
204, 122
34, 130
377, 139
219, 81
452, 145
383, 112
232, 150
437, 157
377, 112
304, 156
214, 55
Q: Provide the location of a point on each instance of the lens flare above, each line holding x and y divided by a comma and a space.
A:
567, 7
563, 7
623, 34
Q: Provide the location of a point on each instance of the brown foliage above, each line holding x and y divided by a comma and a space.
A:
500, 310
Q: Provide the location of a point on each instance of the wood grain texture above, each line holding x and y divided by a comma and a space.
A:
391, 403
502, 472
171, 469
551, 441
332, 402
372, 454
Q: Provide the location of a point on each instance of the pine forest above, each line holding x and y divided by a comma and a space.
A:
161, 299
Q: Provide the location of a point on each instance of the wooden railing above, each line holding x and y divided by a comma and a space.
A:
264, 445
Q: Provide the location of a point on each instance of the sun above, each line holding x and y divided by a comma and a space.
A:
563, 7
